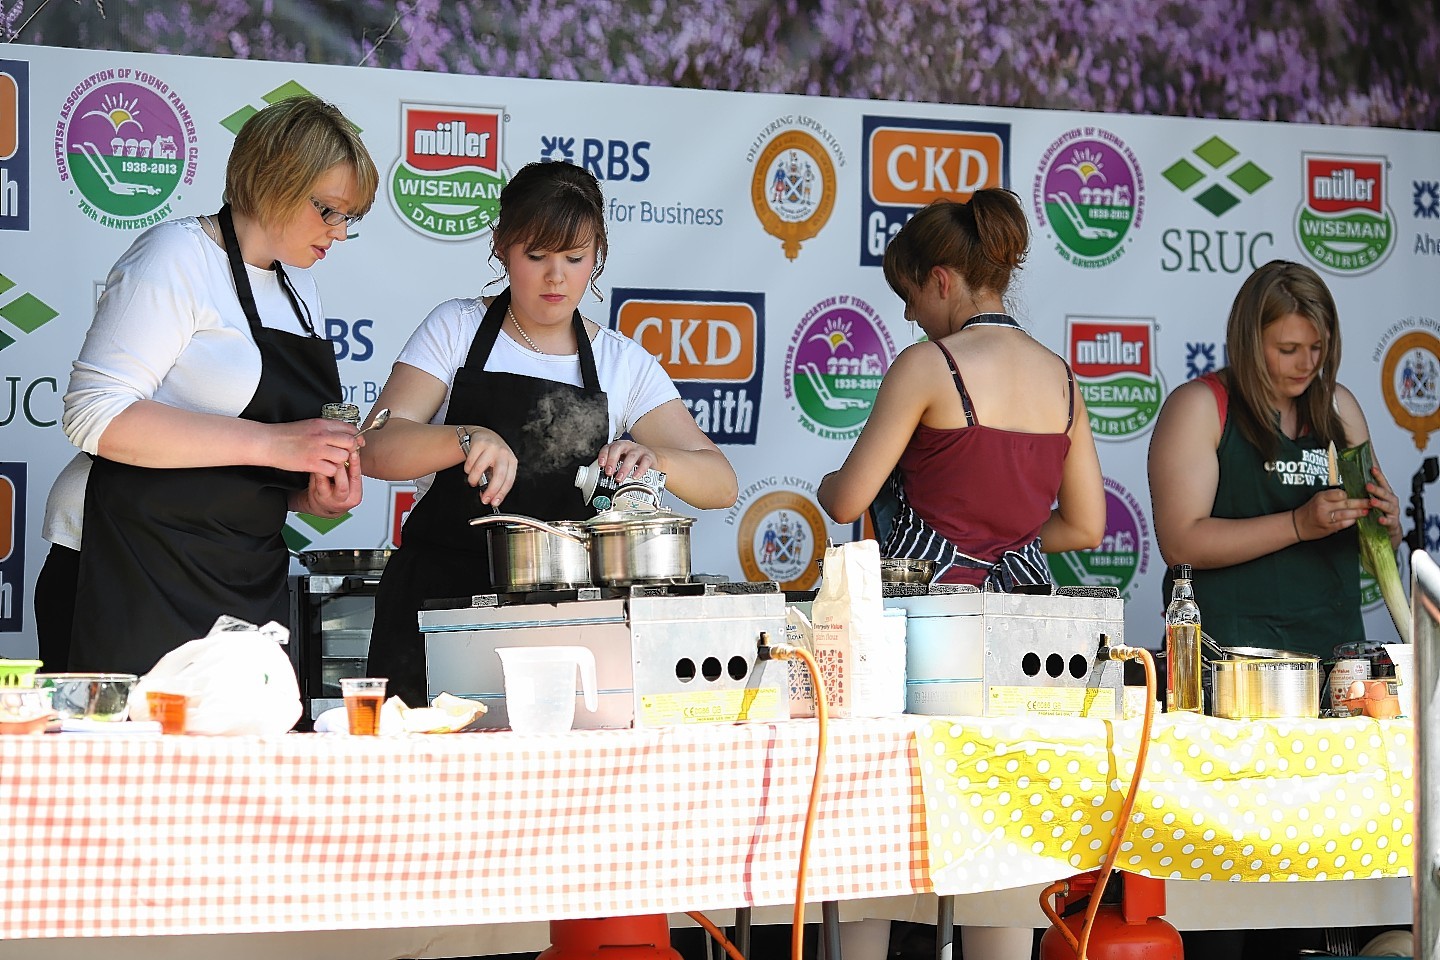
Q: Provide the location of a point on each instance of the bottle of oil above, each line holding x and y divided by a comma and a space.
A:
1182, 646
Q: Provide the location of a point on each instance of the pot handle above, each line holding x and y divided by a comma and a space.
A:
527, 522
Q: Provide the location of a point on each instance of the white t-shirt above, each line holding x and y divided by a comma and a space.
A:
633, 380
169, 327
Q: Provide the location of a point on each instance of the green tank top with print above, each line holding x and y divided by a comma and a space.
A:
1304, 598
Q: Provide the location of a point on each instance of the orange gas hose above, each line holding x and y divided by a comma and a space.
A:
1126, 809
822, 713
715, 932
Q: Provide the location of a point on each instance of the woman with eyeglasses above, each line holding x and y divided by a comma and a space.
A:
196, 399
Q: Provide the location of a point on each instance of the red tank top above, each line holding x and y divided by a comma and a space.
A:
985, 490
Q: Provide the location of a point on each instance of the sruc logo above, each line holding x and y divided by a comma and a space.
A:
446, 184
12, 547
14, 145
907, 163
1114, 364
711, 343
1343, 223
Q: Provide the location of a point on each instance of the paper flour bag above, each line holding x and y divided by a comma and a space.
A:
848, 624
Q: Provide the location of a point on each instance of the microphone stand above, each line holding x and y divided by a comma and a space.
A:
1429, 472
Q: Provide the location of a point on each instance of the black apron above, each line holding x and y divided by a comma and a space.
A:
553, 428
166, 551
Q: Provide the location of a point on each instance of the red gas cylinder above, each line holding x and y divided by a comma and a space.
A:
611, 938
1128, 926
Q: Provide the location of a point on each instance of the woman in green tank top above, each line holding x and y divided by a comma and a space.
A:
1239, 478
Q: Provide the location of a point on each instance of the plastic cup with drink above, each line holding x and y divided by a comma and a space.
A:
363, 699
169, 709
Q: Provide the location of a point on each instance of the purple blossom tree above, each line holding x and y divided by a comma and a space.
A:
1322, 61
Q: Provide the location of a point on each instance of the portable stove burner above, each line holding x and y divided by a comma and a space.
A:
666, 653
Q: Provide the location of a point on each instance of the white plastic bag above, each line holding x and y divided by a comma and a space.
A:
853, 645
238, 678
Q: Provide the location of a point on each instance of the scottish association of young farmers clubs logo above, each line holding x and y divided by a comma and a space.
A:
1410, 383
793, 188
1344, 223
447, 180
1089, 195
1123, 555
126, 140
837, 357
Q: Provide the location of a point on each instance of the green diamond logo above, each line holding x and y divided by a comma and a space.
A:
1217, 199
1183, 174
1249, 177
1212, 174
26, 312
1216, 152
297, 539
285, 91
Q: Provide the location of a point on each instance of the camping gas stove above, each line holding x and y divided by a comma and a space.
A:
665, 654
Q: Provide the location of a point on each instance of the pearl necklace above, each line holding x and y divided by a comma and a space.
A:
525, 336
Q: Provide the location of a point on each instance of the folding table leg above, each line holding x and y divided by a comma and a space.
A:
945, 928
830, 929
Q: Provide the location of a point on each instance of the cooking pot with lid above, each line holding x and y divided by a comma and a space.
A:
528, 554
639, 545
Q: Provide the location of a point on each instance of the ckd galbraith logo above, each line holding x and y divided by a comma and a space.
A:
447, 182
780, 531
13, 479
712, 343
1410, 382
1344, 223
908, 162
1114, 364
1089, 195
793, 186
14, 145
837, 357
126, 142
1123, 554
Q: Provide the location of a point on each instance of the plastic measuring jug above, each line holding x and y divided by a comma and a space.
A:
540, 686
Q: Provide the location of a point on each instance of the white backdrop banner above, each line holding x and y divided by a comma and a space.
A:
746, 237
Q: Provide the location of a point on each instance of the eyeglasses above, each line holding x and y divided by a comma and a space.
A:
333, 217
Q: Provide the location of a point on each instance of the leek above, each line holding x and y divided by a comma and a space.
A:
1376, 554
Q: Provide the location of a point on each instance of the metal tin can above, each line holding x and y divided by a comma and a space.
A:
1345, 672
347, 412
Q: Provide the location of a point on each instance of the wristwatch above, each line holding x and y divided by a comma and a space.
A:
464, 439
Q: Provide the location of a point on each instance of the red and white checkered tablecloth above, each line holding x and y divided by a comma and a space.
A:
127, 836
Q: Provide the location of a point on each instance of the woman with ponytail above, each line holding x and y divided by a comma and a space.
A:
978, 437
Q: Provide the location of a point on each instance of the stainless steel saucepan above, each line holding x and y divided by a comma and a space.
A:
528, 554
639, 545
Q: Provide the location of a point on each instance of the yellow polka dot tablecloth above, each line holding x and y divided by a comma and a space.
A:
1016, 801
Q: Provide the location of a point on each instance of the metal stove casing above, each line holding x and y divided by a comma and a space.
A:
977, 653
664, 655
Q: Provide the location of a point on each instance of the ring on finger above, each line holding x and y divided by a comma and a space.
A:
1332, 516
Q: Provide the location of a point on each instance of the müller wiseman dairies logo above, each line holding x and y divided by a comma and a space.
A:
1343, 222
447, 182
1114, 364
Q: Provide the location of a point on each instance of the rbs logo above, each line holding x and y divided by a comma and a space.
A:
907, 163
606, 159
342, 335
711, 344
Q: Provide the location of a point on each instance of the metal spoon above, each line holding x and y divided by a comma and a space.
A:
382, 417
